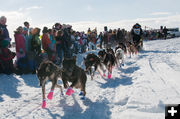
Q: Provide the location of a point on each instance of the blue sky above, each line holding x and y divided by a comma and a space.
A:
92, 13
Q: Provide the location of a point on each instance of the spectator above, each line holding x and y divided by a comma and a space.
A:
6, 58
3, 27
22, 61
101, 39
46, 42
35, 41
136, 33
52, 44
20, 43
60, 46
165, 31
26, 31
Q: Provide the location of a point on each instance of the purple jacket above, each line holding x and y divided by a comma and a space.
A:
5, 34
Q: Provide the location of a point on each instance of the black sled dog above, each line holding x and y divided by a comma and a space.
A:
48, 71
92, 63
108, 59
74, 74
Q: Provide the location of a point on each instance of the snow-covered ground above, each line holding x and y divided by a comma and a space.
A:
139, 90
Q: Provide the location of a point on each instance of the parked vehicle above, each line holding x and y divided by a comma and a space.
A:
173, 32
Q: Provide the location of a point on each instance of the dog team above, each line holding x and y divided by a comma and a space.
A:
104, 62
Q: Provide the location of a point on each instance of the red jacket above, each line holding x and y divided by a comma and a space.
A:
45, 41
20, 42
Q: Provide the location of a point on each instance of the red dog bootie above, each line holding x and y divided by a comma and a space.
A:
109, 76
104, 75
69, 91
50, 95
44, 103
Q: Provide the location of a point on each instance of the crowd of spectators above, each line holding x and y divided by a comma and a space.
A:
55, 43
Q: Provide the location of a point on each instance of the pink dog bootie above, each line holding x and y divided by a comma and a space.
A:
109, 76
69, 91
104, 75
44, 103
50, 95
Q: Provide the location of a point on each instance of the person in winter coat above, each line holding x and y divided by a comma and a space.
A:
35, 41
46, 42
101, 39
52, 39
20, 43
45, 39
119, 35
1, 36
60, 46
136, 33
68, 51
105, 38
3, 27
22, 61
26, 35
6, 58
165, 32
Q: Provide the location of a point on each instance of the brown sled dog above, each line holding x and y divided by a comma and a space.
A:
48, 71
131, 48
72, 73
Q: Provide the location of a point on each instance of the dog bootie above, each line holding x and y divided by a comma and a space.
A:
44, 104
83, 98
69, 91
109, 76
81, 93
50, 95
104, 75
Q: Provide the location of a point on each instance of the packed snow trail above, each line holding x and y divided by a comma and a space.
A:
139, 90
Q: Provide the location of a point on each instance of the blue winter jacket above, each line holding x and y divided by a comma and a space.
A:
5, 34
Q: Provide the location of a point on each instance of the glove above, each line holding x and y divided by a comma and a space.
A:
21, 51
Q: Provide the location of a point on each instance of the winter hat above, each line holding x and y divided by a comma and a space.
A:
4, 43
45, 30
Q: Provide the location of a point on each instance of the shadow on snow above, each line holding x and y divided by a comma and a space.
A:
113, 83
31, 80
94, 110
9, 86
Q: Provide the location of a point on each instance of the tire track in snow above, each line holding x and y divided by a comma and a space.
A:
157, 69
